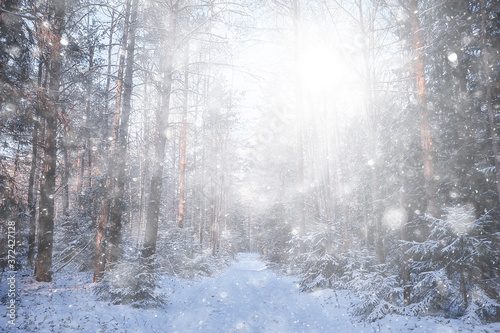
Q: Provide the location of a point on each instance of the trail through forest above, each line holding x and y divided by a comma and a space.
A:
250, 297
246, 297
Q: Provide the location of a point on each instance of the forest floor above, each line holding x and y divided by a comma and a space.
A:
246, 297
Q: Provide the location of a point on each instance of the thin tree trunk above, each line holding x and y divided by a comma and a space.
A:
32, 196
375, 167
32, 176
463, 286
106, 111
404, 256
145, 168
118, 186
87, 148
102, 224
213, 220
153, 212
85, 154
180, 220
341, 184
213, 182
425, 132
300, 144
203, 161
43, 265
405, 271
202, 197
491, 112
67, 168
141, 201
327, 176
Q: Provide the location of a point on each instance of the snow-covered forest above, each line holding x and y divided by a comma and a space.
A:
249, 165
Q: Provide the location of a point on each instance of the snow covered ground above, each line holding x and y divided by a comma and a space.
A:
247, 297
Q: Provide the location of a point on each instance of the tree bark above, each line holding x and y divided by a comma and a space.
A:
180, 220
105, 112
153, 212
300, 144
425, 132
405, 271
102, 224
43, 265
489, 99
32, 176
116, 210
67, 168
87, 149
376, 214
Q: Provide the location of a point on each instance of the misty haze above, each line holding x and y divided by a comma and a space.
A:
249, 166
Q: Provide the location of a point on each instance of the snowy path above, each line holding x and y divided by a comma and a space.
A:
247, 297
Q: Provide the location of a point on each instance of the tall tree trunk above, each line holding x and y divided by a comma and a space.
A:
67, 167
153, 212
32, 195
327, 183
213, 192
106, 111
145, 168
118, 190
425, 132
299, 104
491, 112
32, 176
201, 232
102, 223
373, 130
405, 271
43, 265
204, 140
87, 149
341, 184
180, 220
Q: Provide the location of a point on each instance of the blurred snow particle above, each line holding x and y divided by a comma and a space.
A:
453, 58
9, 107
14, 51
64, 41
394, 217
461, 219
401, 16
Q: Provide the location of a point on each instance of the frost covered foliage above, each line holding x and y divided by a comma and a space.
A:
273, 245
325, 264
377, 286
10, 208
454, 270
74, 243
322, 264
179, 254
132, 281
